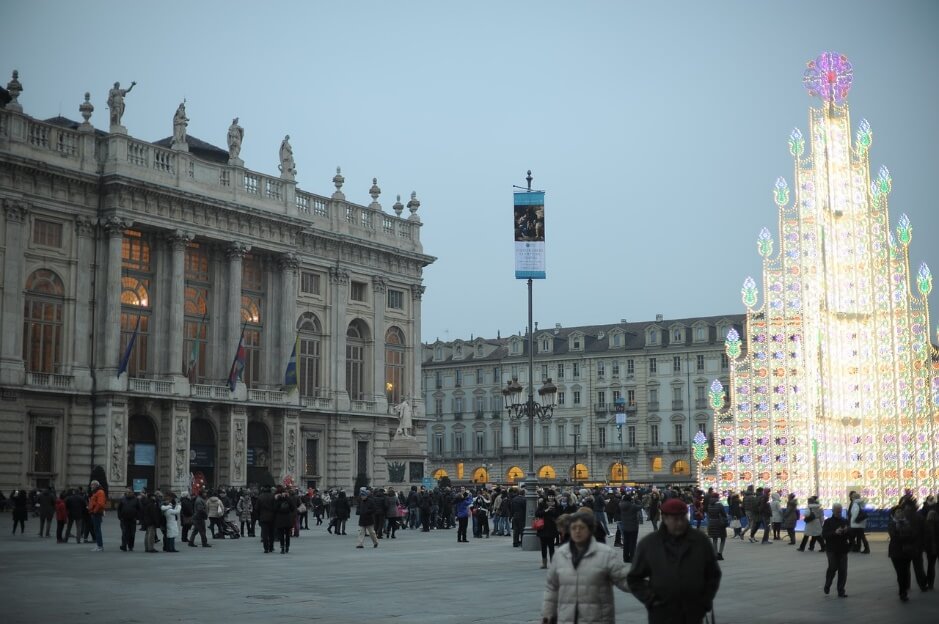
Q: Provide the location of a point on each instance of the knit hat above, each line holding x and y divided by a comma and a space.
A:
363, 491
674, 507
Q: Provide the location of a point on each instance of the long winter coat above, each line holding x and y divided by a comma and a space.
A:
790, 515
853, 510
550, 529
630, 514
776, 508
814, 528
586, 591
717, 519
171, 512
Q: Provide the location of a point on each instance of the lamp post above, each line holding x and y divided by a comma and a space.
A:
620, 421
530, 410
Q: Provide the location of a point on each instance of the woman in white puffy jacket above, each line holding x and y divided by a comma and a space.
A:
171, 512
813, 527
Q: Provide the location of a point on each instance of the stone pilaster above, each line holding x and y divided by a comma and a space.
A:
111, 309
12, 370
339, 285
238, 455
179, 470
235, 253
379, 289
289, 265
417, 397
177, 242
81, 358
292, 459
116, 419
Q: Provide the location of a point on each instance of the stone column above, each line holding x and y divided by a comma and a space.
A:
81, 361
12, 370
417, 398
116, 423
339, 282
111, 300
238, 455
235, 253
289, 264
177, 241
379, 289
180, 447
291, 464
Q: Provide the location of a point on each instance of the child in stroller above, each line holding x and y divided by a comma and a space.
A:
229, 528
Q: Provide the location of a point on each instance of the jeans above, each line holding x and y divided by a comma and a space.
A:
629, 545
547, 548
96, 524
283, 534
461, 528
601, 520
128, 532
267, 536
78, 528
902, 567
414, 517
811, 542
45, 523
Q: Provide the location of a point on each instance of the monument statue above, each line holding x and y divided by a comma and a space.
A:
180, 121
403, 410
287, 166
235, 135
116, 102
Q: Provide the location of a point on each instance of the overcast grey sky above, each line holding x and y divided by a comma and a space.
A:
656, 128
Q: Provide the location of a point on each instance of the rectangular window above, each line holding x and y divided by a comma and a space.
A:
311, 466
601, 397
601, 369
309, 283
544, 372
252, 373
725, 363
677, 336
654, 435
576, 397
480, 402
562, 437
703, 428
631, 435
47, 233
676, 364
653, 396
309, 367
576, 366
545, 436
459, 378
395, 299
699, 393
601, 437
560, 398
438, 406
615, 371
496, 378
357, 291
458, 405
631, 398
679, 434
560, 371
42, 449
700, 362
515, 438
700, 333
362, 458
438, 379
458, 442
630, 367
480, 377
355, 370
480, 442
438, 444
653, 365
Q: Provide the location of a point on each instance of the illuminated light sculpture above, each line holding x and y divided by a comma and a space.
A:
834, 385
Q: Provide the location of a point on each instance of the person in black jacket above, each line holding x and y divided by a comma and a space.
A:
151, 517
128, 508
266, 518
74, 504
548, 534
835, 530
675, 573
342, 509
630, 514
284, 518
366, 512
519, 510
906, 529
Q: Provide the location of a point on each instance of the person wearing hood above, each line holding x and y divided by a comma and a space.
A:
776, 511
789, 518
858, 521
630, 517
171, 511
906, 529
813, 527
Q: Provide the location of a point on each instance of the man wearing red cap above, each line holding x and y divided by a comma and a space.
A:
675, 572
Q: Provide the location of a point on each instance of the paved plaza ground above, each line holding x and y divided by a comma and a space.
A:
418, 578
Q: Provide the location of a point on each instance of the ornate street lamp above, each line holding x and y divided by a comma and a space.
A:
530, 410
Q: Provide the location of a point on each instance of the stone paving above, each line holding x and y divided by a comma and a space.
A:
419, 578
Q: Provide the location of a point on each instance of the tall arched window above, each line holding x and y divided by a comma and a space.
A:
42, 322
311, 334
136, 300
357, 337
252, 299
394, 365
196, 321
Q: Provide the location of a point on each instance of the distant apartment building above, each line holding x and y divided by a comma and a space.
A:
661, 369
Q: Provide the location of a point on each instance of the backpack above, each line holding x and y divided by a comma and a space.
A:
283, 506
903, 527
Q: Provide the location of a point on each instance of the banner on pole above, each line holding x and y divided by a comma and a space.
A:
529, 235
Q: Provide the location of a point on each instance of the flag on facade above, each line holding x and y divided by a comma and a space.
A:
290, 375
125, 360
194, 352
238, 364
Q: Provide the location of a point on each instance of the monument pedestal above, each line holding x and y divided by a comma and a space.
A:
401, 452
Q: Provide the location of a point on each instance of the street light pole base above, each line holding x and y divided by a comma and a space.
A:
530, 540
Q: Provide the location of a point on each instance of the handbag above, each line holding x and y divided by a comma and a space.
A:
538, 524
809, 517
735, 523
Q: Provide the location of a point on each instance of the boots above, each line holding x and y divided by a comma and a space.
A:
544, 563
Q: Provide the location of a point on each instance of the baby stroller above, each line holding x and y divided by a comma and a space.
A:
229, 528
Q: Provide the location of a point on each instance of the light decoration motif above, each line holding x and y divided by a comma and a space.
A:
700, 447
834, 382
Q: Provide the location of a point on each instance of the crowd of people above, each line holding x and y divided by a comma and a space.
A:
673, 571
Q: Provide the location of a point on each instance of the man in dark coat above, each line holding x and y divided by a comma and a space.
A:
630, 514
907, 534
199, 515
675, 573
836, 532
366, 512
75, 506
266, 518
380, 505
519, 512
425, 504
128, 508
46, 511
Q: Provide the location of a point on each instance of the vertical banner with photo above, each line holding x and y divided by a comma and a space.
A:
529, 235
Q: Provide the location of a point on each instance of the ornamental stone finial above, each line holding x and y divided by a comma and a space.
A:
338, 181
15, 88
116, 105
398, 206
413, 205
374, 192
86, 108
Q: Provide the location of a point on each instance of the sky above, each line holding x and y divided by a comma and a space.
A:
657, 129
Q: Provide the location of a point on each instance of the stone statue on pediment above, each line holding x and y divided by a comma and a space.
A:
236, 135
405, 424
116, 102
180, 121
288, 168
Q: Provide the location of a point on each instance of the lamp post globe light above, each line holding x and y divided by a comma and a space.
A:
530, 410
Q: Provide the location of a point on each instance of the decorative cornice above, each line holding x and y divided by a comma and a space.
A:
178, 239
114, 226
288, 262
378, 284
237, 250
338, 276
84, 226
417, 291
15, 210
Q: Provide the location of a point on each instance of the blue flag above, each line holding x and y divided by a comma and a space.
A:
238, 364
125, 360
290, 375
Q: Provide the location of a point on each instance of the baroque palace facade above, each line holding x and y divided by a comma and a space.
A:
661, 369
132, 271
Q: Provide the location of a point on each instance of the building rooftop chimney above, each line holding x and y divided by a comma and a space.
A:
659, 318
